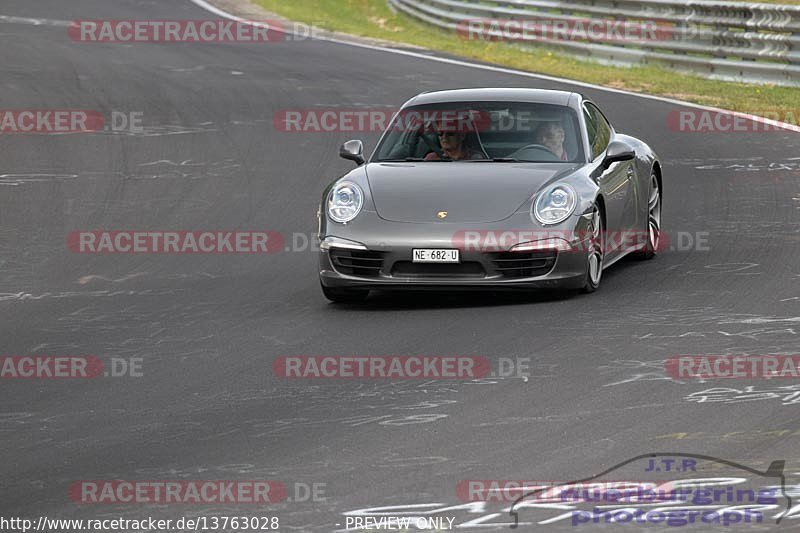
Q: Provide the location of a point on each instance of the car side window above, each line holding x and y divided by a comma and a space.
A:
599, 129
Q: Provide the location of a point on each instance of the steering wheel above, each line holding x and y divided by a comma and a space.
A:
540, 147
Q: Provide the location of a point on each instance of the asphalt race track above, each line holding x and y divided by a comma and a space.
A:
205, 329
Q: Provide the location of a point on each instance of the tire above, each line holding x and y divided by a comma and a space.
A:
596, 255
653, 229
339, 295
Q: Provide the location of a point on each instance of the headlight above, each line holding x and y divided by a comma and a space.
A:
555, 205
345, 201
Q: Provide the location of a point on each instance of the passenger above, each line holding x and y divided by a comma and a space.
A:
551, 135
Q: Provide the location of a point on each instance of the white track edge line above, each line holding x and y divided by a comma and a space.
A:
790, 127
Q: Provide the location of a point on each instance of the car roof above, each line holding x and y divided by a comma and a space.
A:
541, 96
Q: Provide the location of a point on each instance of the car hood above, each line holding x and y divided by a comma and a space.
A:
469, 192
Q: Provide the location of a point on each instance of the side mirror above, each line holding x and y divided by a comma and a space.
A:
618, 151
354, 151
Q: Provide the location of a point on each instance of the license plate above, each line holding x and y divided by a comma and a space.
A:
428, 255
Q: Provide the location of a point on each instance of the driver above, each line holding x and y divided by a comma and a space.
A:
551, 135
453, 145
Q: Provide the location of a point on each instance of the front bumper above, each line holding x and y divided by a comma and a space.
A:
386, 262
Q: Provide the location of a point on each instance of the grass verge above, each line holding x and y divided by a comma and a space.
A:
373, 18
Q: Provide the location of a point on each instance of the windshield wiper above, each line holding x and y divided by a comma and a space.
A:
446, 160
496, 160
410, 160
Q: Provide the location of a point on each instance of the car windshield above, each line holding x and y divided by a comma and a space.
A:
483, 132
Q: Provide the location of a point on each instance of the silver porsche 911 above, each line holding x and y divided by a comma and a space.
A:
489, 188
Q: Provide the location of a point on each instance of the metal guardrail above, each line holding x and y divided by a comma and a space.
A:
741, 42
